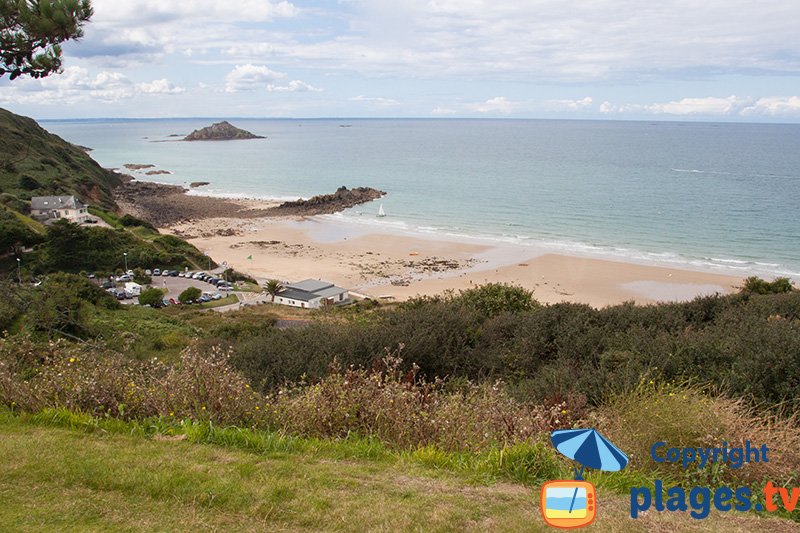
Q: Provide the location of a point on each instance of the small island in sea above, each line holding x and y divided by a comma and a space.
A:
221, 131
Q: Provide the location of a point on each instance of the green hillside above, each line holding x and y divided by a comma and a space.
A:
34, 162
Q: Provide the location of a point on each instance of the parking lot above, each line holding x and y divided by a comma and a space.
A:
176, 285
173, 286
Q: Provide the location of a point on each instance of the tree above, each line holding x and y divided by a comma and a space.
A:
189, 295
31, 33
273, 287
152, 297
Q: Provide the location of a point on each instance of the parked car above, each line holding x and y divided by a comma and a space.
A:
125, 278
108, 285
197, 275
204, 298
130, 273
157, 272
173, 273
216, 296
148, 272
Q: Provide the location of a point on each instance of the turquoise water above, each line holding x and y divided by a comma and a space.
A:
714, 196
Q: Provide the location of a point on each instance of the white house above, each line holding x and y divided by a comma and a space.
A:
312, 294
49, 208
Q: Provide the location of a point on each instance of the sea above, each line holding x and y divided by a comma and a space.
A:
723, 197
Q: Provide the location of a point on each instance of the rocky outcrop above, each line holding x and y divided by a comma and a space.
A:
326, 204
221, 131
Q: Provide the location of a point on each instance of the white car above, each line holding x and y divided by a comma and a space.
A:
198, 274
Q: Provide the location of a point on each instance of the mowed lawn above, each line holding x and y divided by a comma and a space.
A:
55, 479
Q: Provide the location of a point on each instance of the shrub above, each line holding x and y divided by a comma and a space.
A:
757, 285
233, 275
130, 220
494, 298
28, 183
152, 297
189, 295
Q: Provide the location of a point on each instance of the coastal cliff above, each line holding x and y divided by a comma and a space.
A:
221, 131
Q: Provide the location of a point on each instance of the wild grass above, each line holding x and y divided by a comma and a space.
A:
61, 470
691, 415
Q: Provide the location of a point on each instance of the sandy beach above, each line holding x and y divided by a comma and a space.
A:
393, 266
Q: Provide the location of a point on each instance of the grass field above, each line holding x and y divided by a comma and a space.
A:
115, 478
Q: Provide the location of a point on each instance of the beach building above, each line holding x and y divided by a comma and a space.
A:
50, 208
312, 294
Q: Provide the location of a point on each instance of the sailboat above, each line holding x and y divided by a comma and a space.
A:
381, 212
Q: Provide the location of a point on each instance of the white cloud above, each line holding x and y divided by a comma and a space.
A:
714, 106
76, 85
161, 86
443, 111
250, 77
294, 86
374, 100
775, 106
158, 11
700, 106
498, 104
571, 105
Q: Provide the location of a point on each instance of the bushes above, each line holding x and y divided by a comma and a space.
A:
233, 276
387, 403
130, 221
73, 248
152, 297
495, 298
759, 286
748, 344
189, 295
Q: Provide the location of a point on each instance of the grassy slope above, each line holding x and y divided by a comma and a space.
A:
58, 166
61, 479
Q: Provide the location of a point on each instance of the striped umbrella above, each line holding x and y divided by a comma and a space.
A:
589, 448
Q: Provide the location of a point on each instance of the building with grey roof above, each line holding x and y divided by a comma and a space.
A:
312, 294
50, 208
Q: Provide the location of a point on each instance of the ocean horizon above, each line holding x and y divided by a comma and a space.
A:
720, 197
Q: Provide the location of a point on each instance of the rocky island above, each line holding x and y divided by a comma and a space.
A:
221, 131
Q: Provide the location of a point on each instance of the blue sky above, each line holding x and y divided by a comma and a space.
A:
618, 59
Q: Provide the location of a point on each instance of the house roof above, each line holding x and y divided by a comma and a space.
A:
309, 285
45, 203
330, 291
310, 289
294, 294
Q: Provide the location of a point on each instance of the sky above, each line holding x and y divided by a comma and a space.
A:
731, 60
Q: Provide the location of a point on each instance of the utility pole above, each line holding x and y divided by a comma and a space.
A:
19, 270
126, 261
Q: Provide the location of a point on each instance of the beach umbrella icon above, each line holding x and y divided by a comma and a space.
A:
589, 448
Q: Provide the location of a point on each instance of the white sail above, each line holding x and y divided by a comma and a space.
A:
381, 212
